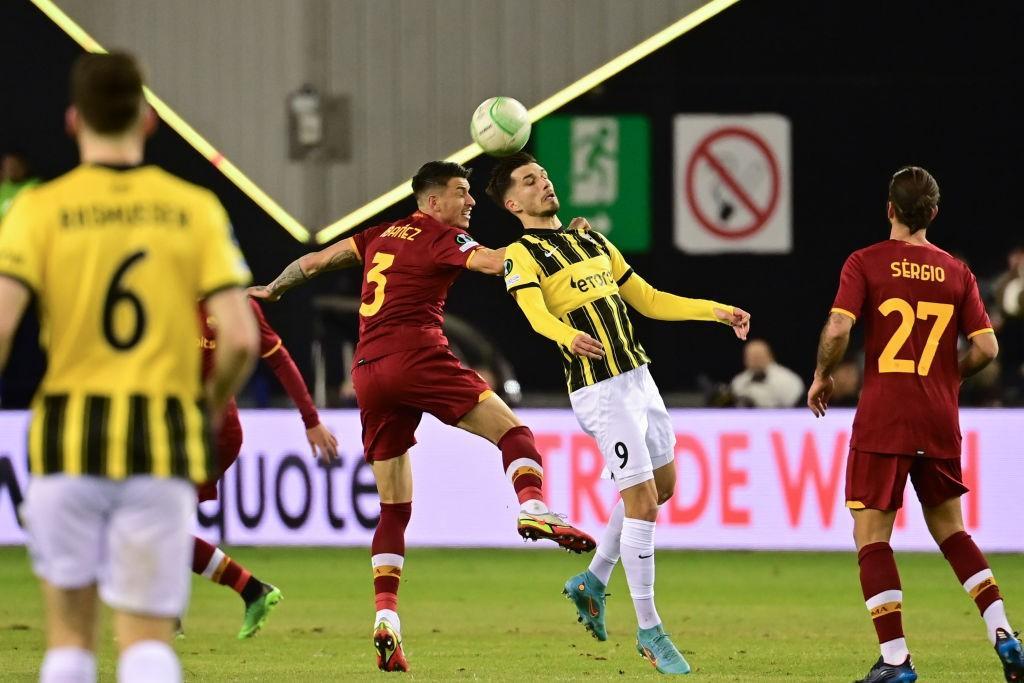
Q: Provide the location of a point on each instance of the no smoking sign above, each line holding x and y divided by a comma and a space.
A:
732, 184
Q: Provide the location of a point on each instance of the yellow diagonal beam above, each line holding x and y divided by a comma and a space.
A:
539, 111
180, 126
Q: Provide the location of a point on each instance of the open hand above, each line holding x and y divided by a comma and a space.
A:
263, 293
820, 394
739, 320
588, 347
323, 444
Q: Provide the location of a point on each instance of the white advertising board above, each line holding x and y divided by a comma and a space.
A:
747, 479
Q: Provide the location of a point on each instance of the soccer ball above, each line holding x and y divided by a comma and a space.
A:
501, 126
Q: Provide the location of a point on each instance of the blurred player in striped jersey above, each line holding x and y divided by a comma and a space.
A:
209, 561
574, 289
915, 301
404, 368
118, 254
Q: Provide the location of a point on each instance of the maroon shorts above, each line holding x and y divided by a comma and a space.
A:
395, 390
877, 480
229, 445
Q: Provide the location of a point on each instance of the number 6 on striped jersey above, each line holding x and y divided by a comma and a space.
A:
382, 261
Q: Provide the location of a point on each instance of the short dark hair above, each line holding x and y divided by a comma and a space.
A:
106, 89
501, 176
437, 174
914, 195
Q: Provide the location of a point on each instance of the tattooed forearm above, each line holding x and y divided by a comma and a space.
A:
832, 344
289, 277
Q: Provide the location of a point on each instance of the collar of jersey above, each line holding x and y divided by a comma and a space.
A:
115, 167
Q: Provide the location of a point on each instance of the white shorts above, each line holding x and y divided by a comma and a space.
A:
133, 537
627, 417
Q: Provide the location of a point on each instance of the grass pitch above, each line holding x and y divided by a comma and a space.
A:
499, 615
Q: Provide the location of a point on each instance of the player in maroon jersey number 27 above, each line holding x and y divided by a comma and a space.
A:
915, 300
403, 368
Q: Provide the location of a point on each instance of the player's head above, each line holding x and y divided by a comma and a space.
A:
107, 101
442, 192
521, 185
913, 198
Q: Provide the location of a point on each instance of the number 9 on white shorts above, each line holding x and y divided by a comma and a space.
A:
627, 417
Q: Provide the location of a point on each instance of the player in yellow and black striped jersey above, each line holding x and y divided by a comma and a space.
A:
574, 288
117, 255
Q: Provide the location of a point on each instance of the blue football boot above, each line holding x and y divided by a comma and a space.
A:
1010, 654
891, 673
587, 592
655, 646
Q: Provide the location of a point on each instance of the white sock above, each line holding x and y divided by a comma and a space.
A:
895, 651
995, 617
637, 546
607, 553
389, 616
68, 665
534, 506
152, 661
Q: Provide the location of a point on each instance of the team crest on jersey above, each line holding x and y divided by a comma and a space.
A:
508, 266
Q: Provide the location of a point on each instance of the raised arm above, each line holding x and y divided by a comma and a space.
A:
659, 305
831, 348
531, 301
339, 255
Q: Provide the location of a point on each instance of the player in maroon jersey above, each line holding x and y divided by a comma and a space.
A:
915, 301
208, 560
403, 368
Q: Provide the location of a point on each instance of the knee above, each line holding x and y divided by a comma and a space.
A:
664, 495
643, 507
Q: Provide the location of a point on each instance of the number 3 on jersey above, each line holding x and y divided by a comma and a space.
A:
943, 313
381, 262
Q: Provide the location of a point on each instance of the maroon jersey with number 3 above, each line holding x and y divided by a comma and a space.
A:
914, 301
408, 267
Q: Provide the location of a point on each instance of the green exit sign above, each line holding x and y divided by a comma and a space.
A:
601, 168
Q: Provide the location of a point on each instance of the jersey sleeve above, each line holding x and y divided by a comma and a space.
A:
453, 248
974, 319
276, 356
22, 242
521, 270
222, 265
270, 342
849, 299
620, 269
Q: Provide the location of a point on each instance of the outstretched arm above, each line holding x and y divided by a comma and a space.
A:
659, 305
531, 301
340, 255
487, 261
831, 347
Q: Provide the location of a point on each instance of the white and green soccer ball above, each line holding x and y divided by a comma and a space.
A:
501, 126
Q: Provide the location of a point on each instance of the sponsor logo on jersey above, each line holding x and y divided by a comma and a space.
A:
594, 281
509, 281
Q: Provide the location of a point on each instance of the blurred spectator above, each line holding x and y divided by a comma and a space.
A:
847, 378
1008, 320
765, 383
15, 176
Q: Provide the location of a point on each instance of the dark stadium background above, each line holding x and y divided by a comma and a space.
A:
891, 83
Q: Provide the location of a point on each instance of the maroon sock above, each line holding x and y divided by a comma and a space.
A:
883, 594
210, 561
971, 569
522, 462
388, 553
